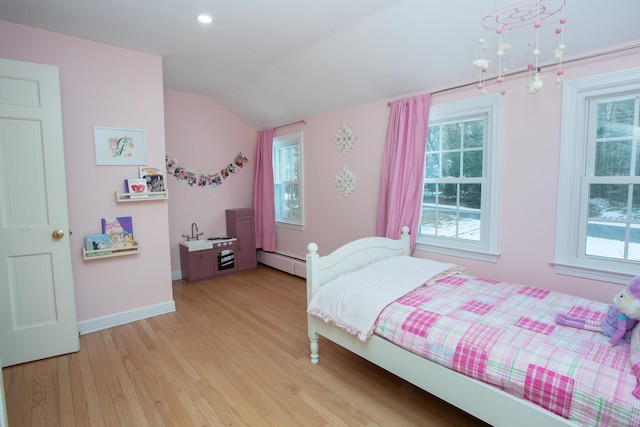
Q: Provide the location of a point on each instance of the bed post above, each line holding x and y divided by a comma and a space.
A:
406, 240
313, 284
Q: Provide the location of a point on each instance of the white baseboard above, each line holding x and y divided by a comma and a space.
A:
104, 322
176, 275
284, 263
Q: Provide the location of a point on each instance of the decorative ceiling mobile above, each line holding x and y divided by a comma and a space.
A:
510, 19
345, 138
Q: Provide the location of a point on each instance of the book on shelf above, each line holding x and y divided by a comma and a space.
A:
154, 178
136, 188
120, 229
97, 244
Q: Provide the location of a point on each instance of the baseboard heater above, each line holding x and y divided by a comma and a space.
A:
284, 263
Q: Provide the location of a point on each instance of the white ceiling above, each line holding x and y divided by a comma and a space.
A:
276, 61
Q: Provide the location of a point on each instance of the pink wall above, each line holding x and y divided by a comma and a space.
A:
531, 147
205, 136
530, 165
332, 219
104, 85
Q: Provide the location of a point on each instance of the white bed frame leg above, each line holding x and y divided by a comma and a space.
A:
315, 358
313, 284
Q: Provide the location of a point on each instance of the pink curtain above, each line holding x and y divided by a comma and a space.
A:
263, 193
401, 182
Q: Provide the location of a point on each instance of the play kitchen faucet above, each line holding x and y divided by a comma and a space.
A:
195, 233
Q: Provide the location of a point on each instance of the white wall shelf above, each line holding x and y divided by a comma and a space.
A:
89, 255
146, 197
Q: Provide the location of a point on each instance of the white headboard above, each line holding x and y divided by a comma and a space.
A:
351, 256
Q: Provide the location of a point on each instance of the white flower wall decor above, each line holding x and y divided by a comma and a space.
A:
346, 181
345, 138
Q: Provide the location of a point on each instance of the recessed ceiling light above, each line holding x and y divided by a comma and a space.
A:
205, 19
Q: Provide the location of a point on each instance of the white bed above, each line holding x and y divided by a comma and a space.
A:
484, 401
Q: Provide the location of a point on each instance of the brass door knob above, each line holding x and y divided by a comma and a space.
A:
58, 234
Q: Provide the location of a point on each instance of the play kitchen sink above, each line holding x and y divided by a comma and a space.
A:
199, 245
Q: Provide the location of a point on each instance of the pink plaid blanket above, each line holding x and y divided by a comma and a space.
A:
505, 335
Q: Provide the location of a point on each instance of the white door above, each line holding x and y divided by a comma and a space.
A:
3, 406
37, 303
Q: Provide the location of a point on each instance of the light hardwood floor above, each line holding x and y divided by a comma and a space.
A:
235, 352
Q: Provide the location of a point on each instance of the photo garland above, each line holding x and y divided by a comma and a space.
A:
212, 179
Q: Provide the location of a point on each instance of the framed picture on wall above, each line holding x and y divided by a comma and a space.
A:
120, 146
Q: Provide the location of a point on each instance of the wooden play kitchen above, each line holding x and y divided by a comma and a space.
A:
218, 256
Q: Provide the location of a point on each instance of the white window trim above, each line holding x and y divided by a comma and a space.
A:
573, 155
290, 139
488, 248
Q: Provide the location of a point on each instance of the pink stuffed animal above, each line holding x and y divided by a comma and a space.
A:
622, 316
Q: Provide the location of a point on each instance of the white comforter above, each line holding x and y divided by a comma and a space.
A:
353, 300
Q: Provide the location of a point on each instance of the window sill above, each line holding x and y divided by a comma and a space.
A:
593, 273
290, 226
458, 252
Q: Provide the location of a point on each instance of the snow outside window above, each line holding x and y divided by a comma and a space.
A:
287, 176
598, 219
462, 175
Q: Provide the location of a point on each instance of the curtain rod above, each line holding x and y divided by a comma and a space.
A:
581, 58
304, 122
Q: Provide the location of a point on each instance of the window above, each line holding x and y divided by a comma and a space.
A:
461, 185
598, 222
287, 177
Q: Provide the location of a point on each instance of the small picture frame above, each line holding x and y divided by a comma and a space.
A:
116, 146
137, 188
